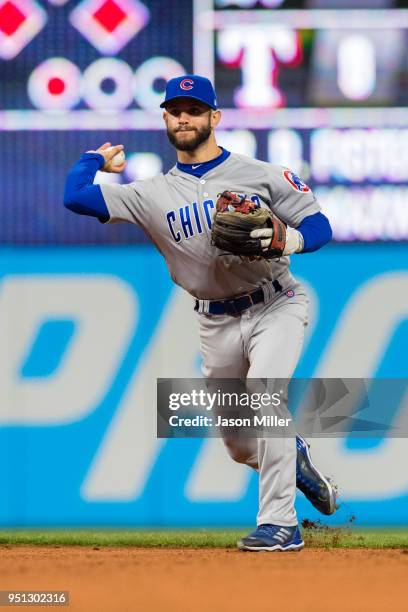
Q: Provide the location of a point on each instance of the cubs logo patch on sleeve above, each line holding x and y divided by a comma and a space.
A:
296, 182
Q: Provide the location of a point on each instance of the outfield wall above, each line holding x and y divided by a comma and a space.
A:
86, 332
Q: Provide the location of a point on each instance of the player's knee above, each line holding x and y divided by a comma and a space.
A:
238, 452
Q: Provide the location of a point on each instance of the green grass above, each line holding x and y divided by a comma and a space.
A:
356, 538
318, 536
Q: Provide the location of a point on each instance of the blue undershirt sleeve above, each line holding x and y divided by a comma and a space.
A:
316, 232
81, 195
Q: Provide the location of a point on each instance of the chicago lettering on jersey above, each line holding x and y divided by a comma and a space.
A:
186, 221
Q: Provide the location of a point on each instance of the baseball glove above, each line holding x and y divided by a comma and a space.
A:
234, 220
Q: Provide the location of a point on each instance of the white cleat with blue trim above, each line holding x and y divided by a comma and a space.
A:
272, 538
319, 490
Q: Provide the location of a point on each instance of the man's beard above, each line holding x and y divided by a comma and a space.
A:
197, 137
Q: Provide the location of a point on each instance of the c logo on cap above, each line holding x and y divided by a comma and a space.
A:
187, 84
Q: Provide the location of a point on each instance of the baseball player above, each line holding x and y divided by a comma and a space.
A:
252, 312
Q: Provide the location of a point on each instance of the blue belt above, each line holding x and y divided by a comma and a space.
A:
235, 306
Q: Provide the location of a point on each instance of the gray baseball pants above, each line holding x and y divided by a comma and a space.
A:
265, 341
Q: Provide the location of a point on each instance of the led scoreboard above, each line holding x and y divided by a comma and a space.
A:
321, 87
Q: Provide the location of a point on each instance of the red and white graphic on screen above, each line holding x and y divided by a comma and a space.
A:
109, 24
55, 84
20, 21
259, 50
296, 182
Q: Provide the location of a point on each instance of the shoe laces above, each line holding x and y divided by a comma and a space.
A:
266, 530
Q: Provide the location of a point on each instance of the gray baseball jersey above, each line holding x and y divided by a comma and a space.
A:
176, 209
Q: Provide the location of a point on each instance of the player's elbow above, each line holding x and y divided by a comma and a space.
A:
86, 201
327, 232
75, 200
70, 201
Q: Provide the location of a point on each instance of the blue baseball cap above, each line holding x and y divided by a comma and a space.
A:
191, 86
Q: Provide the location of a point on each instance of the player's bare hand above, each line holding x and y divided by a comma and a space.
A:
113, 156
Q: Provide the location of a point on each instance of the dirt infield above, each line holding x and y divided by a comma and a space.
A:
197, 580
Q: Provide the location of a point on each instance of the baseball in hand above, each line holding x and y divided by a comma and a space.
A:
118, 159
